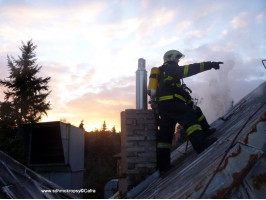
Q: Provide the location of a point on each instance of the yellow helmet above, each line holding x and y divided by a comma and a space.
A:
172, 55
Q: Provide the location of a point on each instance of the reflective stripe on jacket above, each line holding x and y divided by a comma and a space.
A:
163, 98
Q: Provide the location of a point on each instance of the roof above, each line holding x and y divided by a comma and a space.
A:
233, 167
20, 182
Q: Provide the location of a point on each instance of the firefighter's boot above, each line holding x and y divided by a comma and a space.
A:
209, 131
163, 159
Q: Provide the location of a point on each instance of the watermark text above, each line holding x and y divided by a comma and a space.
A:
73, 191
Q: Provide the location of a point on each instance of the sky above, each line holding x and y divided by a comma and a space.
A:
90, 49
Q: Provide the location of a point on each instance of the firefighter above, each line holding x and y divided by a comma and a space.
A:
173, 107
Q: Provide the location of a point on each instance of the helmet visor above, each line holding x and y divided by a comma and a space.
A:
180, 56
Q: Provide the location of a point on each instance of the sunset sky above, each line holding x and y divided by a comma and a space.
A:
90, 49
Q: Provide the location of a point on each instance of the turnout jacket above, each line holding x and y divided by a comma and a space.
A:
169, 85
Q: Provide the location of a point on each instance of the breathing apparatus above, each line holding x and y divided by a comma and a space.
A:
153, 82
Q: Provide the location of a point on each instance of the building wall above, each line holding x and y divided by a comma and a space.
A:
76, 149
65, 142
138, 147
66, 180
62, 179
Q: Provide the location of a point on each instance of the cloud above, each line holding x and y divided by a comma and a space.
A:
260, 17
155, 19
165, 42
121, 29
240, 21
27, 18
196, 34
3, 66
184, 25
212, 8
93, 108
67, 83
91, 49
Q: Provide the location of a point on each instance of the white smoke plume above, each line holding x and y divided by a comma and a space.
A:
219, 97
218, 90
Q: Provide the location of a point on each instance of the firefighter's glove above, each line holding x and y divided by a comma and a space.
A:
215, 65
154, 104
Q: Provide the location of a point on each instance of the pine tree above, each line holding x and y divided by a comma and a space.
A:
81, 125
26, 92
104, 129
7, 113
113, 130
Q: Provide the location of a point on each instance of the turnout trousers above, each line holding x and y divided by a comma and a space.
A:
172, 112
200, 116
201, 119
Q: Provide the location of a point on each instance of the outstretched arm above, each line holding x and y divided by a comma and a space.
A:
190, 70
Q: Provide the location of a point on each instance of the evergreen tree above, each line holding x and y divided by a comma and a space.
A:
7, 113
113, 130
26, 92
104, 129
81, 125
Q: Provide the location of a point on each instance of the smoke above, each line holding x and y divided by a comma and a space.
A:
219, 96
218, 90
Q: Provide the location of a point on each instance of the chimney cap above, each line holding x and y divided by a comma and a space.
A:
141, 64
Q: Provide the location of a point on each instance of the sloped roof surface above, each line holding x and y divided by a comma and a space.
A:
19, 182
233, 167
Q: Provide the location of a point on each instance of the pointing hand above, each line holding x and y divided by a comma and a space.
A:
215, 65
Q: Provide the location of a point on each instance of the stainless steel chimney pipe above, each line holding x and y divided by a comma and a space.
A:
141, 86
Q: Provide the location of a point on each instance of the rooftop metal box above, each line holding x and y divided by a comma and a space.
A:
56, 151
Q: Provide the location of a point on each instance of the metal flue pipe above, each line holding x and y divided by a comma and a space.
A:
141, 86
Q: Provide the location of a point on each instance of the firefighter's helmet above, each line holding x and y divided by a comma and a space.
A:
172, 55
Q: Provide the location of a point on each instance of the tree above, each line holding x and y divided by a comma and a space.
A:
26, 93
113, 130
81, 125
99, 163
7, 113
104, 129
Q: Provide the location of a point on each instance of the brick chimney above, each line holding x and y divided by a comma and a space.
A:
138, 138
